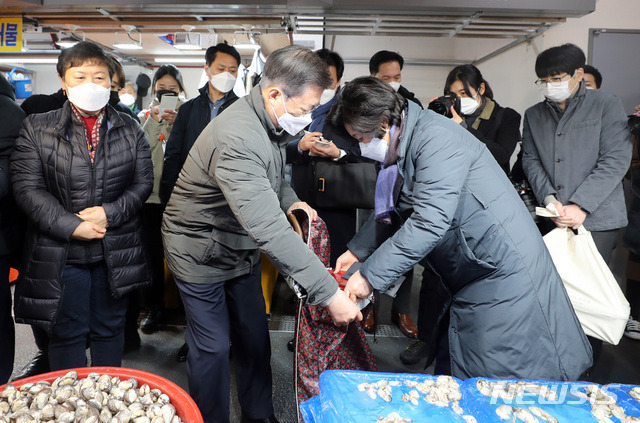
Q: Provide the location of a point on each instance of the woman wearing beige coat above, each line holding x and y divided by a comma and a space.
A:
157, 125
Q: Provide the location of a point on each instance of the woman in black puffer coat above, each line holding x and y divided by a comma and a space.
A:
82, 186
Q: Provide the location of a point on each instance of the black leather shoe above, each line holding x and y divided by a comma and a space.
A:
291, 345
271, 419
39, 365
181, 355
415, 351
152, 322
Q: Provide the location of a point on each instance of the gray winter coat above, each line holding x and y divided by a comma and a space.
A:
510, 314
581, 156
228, 205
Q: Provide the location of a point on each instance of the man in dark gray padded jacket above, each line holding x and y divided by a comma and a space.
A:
228, 205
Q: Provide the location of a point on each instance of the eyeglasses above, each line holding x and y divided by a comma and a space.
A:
304, 111
542, 82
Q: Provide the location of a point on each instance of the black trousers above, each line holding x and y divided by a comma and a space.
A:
216, 314
87, 310
153, 296
7, 330
402, 301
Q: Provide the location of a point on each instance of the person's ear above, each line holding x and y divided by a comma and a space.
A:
481, 89
273, 94
579, 74
64, 84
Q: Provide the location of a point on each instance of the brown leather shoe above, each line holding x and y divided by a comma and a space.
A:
406, 325
368, 323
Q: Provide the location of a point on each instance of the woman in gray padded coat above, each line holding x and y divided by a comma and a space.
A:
500, 309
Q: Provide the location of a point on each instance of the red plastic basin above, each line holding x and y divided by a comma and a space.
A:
186, 408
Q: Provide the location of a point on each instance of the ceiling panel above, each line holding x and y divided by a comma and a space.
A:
273, 23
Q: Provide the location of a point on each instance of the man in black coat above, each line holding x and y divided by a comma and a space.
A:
43, 103
387, 66
222, 63
10, 122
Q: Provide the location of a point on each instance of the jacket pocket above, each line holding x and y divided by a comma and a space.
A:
586, 123
471, 266
226, 251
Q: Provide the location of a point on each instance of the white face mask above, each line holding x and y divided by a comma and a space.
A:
127, 99
395, 85
89, 97
376, 149
557, 91
327, 95
468, 105
290, 123
223, 81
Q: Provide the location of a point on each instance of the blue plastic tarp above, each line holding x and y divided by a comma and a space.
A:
340, 400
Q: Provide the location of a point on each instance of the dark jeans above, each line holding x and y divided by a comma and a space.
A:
7, 331
216, 314
87, 311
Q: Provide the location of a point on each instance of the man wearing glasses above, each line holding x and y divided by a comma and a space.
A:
577, 148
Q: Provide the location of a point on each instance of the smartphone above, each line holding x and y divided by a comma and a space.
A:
322, 142
168, 102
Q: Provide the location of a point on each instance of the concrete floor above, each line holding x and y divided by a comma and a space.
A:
619, 363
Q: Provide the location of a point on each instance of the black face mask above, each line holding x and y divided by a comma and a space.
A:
160, 93
114, 98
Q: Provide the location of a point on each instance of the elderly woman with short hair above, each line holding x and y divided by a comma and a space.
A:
81, 175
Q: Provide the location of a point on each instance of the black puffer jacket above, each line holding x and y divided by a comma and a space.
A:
53, 178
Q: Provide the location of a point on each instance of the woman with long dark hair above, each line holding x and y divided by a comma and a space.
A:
496, 126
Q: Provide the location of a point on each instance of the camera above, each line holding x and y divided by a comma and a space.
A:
442, 105
526, 195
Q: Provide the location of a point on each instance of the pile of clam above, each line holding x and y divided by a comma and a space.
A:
95, 399
444, 391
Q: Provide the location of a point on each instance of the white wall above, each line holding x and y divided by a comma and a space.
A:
511, 74
515, 69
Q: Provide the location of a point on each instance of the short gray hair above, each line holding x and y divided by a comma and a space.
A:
293, 69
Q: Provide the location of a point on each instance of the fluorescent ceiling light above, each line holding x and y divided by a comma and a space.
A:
179, 60
247, 46
33, 60
185, 46
67, 43
128, 46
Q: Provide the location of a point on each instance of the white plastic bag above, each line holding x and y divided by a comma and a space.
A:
599, 303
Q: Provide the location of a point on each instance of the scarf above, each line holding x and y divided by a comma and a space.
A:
93, 138
389, 182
